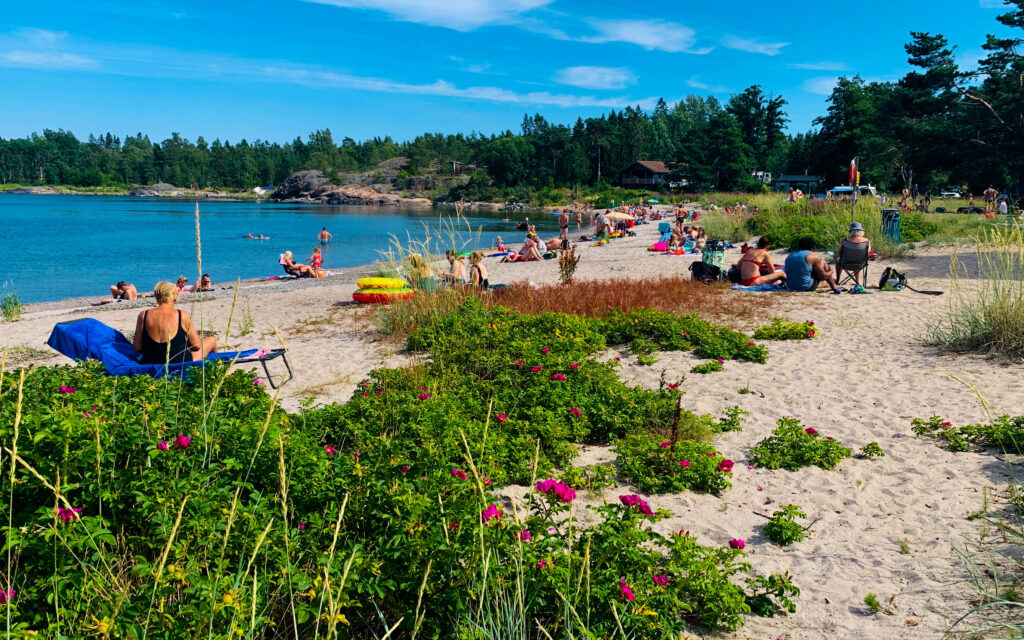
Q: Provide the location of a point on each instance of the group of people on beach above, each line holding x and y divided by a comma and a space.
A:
127, 291
803, 270
423, 278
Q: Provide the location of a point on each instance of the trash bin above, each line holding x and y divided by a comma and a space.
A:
891, 224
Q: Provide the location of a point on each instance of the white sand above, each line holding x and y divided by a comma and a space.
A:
861, 380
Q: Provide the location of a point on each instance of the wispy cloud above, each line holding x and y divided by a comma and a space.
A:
649, 34
463, 15
822, 85
696, 83
820, 66
595, 77
472, 67
753, 46
992, 4
40, 60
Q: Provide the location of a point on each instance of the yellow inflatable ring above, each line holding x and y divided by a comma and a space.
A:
381, 283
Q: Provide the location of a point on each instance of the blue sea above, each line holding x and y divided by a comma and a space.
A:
64, 246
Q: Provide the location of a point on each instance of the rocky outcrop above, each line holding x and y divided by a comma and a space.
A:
160, 189
314, 187
37, 191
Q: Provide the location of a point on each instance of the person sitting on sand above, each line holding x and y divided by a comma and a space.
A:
856, 237
183, 285
166, 335
204, 283
700, 239
457, 268
479, 271
293, 268
805, 270
316, 261
123, 291
756, 267
530, 251
421, 276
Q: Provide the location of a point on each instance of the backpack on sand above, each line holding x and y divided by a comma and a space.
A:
893, 280
706, 273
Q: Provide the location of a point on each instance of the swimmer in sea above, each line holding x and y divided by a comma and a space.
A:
324, 236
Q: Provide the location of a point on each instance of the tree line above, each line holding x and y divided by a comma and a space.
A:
940, 125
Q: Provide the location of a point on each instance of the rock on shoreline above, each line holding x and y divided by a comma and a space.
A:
314, 187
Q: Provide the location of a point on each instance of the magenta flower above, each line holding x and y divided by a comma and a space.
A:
67, 515
366, 395
522, 535
665, 445
737, 543
684, 463
660, 580
502, 417
329, 450
543, 563
519, 363
811, 431
725, 465
366, 384
405, 468
558, 376
618, 359
641, 505
576, 412
625, 592
673, 385
683, 334
162, 446
829, 438
750, 344
545, 351
453, 525
66, 390
810, 334
561, 490
379, 391
6, 596
574, 366
491, 512
721, 361
257, 383
711, 455
946, 424
302, 526
93, 409
182, 442
459, 473
536, 368
423, 396
810, 322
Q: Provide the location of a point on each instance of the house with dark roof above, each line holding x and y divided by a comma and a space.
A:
807, 184
644, 174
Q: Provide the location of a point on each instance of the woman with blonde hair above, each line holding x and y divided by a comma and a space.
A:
167, 335
478, 271
293, 268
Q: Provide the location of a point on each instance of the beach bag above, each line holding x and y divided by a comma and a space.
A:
734, 275
706, 273
893, 280
714, 253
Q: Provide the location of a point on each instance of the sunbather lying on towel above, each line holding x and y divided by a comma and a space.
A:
166, 335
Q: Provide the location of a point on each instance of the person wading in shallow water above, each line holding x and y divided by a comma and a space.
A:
324, 235
563, 226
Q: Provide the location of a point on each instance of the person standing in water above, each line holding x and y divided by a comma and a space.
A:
324, 236
563, 226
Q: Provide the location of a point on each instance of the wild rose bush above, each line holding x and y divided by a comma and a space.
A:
782, 329
1005, 433
655, 465
253, 521
793, 445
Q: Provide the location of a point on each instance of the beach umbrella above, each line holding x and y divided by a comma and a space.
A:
618, 215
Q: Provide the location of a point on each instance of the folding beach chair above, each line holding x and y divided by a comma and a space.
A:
851, 260
90, 339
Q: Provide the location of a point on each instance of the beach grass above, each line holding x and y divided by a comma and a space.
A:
986, 314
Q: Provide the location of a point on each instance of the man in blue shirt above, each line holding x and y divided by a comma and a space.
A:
805, 270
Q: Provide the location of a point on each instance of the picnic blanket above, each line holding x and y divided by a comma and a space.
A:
759, 287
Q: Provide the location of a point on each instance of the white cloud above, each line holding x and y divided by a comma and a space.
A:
820, 66
696, 83
42, 60
753, 46
461, 15
595, 77
992, 4
649, 34
822, 85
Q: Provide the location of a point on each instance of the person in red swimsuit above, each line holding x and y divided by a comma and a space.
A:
756, 266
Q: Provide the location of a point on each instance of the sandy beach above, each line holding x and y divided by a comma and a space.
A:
862, 379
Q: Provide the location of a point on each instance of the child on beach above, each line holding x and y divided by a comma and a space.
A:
316, 261
500, 244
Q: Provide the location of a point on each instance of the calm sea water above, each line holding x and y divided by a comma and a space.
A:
63, 246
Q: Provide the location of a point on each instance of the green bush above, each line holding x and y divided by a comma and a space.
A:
169, 508
782, 329
1005, 433
792, 445
872, 450
782, 527
654, 465
707, 367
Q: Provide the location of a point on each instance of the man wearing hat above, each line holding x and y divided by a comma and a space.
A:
856, 236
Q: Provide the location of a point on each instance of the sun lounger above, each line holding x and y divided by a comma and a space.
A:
90, 339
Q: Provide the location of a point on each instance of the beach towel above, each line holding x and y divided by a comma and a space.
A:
90, 339
759, 287
500, 253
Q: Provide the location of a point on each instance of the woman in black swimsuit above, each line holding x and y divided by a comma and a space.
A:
178, 340
478, 271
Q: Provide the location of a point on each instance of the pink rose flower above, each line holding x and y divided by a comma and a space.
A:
721, 361
665, 445
576, 412
182, 442
501, 417
625, 592
673, 385
162, 446
329, 450
536, 368
660, 580
684, 463
545, 350
459, 473
424, 396
522, 535
811, 431
574, 366
725, 465
737, 543
491, 512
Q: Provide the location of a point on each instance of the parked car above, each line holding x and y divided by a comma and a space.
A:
949, 194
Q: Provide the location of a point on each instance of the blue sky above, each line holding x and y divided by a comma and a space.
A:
364, 68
